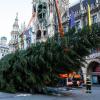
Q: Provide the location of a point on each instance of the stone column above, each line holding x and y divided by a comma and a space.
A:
84, 69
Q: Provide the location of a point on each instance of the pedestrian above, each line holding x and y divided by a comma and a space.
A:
88, 85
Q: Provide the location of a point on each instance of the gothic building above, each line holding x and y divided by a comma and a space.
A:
43, 25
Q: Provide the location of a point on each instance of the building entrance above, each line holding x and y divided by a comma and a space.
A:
94, 71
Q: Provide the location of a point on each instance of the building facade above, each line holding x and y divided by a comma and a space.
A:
80, 13
43, 25
4, 48
92, 68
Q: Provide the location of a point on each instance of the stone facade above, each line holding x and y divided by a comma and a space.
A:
4, 48
43, 25
80, 14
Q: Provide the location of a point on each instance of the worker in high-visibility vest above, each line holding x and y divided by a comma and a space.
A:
88, 85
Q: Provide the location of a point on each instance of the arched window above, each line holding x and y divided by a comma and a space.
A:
45, 33
42, 10
38, 36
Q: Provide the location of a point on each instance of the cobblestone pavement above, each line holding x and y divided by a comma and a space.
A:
76, 94
82, 95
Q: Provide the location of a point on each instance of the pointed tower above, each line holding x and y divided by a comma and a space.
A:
43, 26
15, 25
13, 44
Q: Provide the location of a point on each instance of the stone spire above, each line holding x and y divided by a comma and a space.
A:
13, 44
15, 25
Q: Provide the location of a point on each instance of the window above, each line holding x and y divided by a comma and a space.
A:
98, 1
94, 19
92, 6
78, 25
1, 50
65, 29
2, 55
84, 9
45, 33
7, 51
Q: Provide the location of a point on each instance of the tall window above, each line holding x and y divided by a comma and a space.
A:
78, 25
94, 19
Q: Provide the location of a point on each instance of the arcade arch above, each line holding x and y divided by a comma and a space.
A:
93, 70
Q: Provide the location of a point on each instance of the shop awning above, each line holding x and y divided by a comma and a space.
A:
70, 75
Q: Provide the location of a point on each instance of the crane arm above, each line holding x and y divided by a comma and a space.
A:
59, 19
33, 15
22, 37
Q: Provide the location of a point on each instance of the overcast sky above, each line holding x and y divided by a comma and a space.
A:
8, 10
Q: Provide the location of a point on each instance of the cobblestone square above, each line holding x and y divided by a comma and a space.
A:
76, 94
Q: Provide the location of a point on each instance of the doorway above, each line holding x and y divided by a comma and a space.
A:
98, 79
94, 71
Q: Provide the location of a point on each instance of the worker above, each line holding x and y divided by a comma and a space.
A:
88, 85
